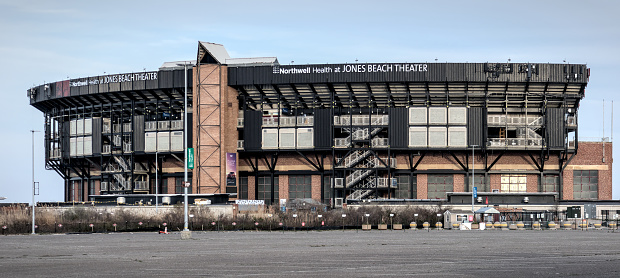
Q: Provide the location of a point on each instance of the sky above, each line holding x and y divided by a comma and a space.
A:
48, 41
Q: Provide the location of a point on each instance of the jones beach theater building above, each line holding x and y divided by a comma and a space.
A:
335, 133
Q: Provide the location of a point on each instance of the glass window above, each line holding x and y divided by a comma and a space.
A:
404, 187
299, 187
163, 186
550, 183
513, 183
327, 190
438, 185
91, 187
585, 184
243, 188
178, 186
264, 189
480, 182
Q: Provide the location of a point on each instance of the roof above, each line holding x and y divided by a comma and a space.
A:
214, 50
177, 65
254, 61
487, 210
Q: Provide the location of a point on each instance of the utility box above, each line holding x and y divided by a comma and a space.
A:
589, 211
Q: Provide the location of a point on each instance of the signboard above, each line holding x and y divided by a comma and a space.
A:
231, 169
475, 192
190, 158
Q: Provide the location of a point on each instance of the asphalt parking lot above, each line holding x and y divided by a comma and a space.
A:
327, 253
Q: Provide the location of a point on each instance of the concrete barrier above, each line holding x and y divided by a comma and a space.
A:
426, 225
536, 226
455, 226
439, 226
552, 225
413, 225
382, 227
489, 225
520, 226
503, 226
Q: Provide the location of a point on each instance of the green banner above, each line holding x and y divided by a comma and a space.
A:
190, 158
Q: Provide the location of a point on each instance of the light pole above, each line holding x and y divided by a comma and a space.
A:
473, 163
156, 183
391, 222
186, 226
33, 183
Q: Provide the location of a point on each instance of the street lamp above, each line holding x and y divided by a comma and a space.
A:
156, 183
185, 186
343, 216
33, 183
473, 163
391, 223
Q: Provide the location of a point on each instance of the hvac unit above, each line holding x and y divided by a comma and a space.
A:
437, 115
104, 186
163, 125
338, 202
88, 145
73, 146
479, 199
382, 182
80, 146
176, 141
526, 199
240, 145
305, 138
457, 115
270, 138
150, 141
88, 126
73, 128
127, 127
437, 137
457, 137
79, 127
240, 122
338, 183
107, 125
393, 183
287, 138
165, 200
176, 125
163, 141
150, 126
417, 116
418, 137
336, 120
120, 200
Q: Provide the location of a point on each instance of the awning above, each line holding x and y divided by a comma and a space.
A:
487, 210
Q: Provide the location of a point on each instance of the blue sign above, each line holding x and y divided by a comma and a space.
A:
475, 192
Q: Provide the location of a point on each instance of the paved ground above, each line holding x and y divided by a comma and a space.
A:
326, 254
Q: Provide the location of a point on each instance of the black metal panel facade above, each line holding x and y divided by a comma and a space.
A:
407, 72
398, 128
190, 131
65, 129
322, 129
166, 79
252, 131
555, 127
476, 117
138, 133
97, 128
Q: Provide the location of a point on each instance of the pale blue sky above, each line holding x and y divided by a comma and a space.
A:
47, 41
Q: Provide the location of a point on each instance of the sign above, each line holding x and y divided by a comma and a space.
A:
123, 77
187, 184
190, 158
350, 68
231, 169
470, 218
250, 202
475, 192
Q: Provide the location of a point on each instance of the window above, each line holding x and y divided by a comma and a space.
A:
243, 188
480, 182
264, 189
438, 185
178, 186
327, 189
550, 183
404, 188
91, 187
80, 195
163, 186
514, 183
585, 184
299, 187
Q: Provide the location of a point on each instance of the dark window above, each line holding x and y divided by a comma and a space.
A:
327, 190
80, 195
299, 187
404, 187
585, 184
178, 186
550, 183
163, 186
480, 182
243, 188
438, 185
91, 187
264, 190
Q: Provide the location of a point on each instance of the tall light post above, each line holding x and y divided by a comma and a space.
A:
186, 227
33, 183
473, 163
156, 183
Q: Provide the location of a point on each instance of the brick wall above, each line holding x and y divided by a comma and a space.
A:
422, 186
459, 183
